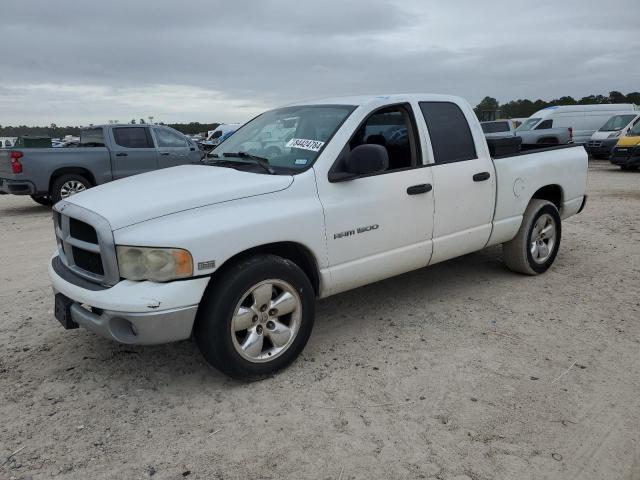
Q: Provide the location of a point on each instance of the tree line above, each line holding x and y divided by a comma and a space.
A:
523, 108
55, 131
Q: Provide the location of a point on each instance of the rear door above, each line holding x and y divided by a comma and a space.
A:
173, 148
133, 151
463, 182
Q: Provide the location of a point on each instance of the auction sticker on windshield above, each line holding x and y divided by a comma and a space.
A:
313, 145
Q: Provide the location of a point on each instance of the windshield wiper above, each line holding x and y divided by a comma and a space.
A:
263, 162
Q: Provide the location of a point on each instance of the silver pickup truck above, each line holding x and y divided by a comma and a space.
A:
105, 153
536, 132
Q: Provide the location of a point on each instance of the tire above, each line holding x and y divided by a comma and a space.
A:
46, 201
67, 185
240, 297
519, 253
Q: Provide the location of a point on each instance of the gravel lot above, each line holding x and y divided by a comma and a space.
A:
460, 371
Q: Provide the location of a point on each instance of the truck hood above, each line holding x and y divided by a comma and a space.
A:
628, 141
163, 192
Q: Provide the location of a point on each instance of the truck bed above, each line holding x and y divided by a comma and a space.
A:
562, 168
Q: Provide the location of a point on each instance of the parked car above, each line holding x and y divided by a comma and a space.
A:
7, 142
498, 128
602, 142
569, 123
105, 153
536, 134
235, 251
626, 153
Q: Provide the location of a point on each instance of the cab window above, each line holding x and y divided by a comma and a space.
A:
451, 137
394, 129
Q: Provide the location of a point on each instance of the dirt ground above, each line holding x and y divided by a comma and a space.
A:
459, 371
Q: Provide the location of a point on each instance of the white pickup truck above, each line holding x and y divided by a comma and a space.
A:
236, 250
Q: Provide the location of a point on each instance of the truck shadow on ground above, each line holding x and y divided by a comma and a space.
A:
181, 362
27, 210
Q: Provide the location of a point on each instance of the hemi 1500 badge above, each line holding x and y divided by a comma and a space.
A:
350, 233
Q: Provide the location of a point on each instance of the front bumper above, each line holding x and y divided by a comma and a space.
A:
17, 187
141, 313
600, 147
625, 157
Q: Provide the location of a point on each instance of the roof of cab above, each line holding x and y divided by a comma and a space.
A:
362, 100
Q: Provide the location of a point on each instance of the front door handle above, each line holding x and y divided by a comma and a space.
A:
482, 176
417, 189
164, 154
122, 154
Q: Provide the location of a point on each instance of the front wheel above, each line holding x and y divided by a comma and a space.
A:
535, 246
256, 317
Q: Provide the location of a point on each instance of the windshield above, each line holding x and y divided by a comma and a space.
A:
528, 124
635, 131
289, 137
92, 137
495, 127
617, 122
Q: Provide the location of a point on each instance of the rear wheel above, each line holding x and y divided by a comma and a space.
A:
256, 317
535, 246
67, 185
46, 201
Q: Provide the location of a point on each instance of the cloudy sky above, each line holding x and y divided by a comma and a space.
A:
85, 61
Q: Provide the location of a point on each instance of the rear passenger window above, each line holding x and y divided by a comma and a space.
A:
451, 137
543, 125
133, 137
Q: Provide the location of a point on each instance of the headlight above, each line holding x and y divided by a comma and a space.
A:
615, 134
155, 264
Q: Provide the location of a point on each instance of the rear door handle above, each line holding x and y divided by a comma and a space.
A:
122, 154
417, 189
482, 176
164, 154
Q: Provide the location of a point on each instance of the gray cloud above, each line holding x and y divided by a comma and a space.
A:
82, 62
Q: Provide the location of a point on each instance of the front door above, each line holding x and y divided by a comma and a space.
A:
464, 182
133, 151
173, 148
380, 225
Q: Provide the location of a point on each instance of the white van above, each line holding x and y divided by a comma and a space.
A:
223, 128
584, 120
605, 138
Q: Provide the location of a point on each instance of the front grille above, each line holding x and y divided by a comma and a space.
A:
82, 231
594, 143
89, 261
85, 244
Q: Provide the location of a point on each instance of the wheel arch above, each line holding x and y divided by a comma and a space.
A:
552, 193
293, 251
71, 171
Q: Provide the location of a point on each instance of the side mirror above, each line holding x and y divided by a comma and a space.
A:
362, 160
